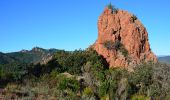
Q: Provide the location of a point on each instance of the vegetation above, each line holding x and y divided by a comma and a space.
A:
83, 75
124, 51
12, 71
110, 45
117, 45
133, 18
33, 56
88, 92
113, 9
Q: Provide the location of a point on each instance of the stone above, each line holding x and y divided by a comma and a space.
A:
124, 27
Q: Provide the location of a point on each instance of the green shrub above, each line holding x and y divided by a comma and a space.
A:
71, 61
133, 18
110, 45
100, 76
103, 88
13, 71
160, 80
117, 45
88, 91
68, 83
140, 97
142, 74
116, 73
113, 85
114, 10
167, 97
106, 97
124, 51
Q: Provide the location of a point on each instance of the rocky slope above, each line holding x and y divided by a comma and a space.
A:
122, 39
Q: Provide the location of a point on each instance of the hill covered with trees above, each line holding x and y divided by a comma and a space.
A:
83, 74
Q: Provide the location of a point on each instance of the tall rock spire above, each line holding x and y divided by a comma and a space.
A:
122, 39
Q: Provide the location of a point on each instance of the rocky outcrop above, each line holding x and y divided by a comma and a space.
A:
122, 39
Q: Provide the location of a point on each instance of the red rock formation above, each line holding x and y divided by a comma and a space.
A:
128, 30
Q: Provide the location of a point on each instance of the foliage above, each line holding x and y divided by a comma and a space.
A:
114, 77
5, 59
39, 69
110, 45
149, 80
114, 10
103, 88
12, 71
72, 62
88, 78
141, 79
133, 18
142, 74
124, 51
139, 97
117, 45
88, 91
68, 83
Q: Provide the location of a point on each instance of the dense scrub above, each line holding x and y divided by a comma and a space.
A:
84, 75
113, 8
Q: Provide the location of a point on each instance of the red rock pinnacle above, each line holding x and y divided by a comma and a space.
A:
122, 39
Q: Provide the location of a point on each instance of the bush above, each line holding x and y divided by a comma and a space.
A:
110, 45
141, 79
39, 69
124, 51
161, 80
143, 74
103, 88
133, 18
117, 45
151, 80
88, 92
13, 71
113, 85
114, 10
100, 76
68, 83
139, 97
71, 61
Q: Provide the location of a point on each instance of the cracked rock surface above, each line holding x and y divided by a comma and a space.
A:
132, 36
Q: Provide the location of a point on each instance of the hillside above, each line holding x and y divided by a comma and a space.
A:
35, 55
4, 58
164, 59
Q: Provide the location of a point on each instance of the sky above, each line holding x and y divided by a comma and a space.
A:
72, 24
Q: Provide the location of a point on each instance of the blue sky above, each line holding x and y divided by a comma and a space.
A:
72, 24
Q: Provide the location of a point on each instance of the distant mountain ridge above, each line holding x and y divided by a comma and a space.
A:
164, 59
36, 55
40, 55
4, 58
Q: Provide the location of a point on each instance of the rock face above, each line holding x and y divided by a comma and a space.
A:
122, 39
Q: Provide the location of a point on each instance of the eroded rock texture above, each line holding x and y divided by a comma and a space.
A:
122, 39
